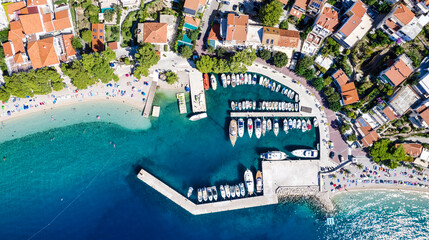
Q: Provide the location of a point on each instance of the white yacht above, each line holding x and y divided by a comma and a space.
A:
269, 125
223, 77
264, 126
242, 190
276, 127
190, 190
200, 195
205, 194
213, 81
258, 129
240, 127
214, 193
227, 191
273, 156
248, 179
305, 153
198, 116
285, 126
250, 127
222, 191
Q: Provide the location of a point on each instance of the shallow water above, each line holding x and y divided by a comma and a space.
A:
83, 185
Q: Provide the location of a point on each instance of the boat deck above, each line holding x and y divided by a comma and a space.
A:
149, 99
208, 207
198, 96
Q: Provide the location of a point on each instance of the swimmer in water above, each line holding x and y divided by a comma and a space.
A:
4, 158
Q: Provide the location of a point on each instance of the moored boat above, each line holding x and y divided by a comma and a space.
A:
232, 190
278, 88
264, 126
292, 95
222, 191
296, 107
290, 123
240, 127
285, 126
200, 195
214, 193
296, 97
232, 105
255, 79
228, 80
242, 190
198, 116
269, 125
258, 182
254, 105
273, 156
305, 153
298, 124
190, 190
206, 82
237, 191
250, 127
315, 122
273, 87
213, 81
233, 131
276, 127
227, 191
205, 194
308, 124
294, 124
261, 80
223, 78
258, 129
303, 125
237, 79
248, 179
233, 80
210, 193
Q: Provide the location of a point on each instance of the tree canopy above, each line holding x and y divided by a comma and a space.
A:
108, 14
270, 13
303, 64
86, 35
264, 54
186, 52
76, 43
384, 151
171, 77
109, 55
146, 57
236, 63
280, 59
318, 83
331, 47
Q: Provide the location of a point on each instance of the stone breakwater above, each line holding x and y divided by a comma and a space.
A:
311, 193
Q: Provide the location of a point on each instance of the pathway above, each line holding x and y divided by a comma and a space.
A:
208, 17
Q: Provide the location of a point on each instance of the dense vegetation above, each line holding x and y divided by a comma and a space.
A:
384, 152
304, 67
33, 82
171, 77
280, 59
186, 52
236, 63
147, 57
270, 13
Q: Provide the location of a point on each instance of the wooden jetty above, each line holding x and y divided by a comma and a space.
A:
149, 99
208, 207
182, 103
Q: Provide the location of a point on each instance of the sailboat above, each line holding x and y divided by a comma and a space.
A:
258, 128
276, 126
213, 81
233, 131
250, 127
240, 127
258, 182
248, 179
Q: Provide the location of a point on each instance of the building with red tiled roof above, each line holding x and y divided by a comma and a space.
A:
389, 113
314, 7
155, 33
356, 26
112, 45
68, 53
37, 2
13, 7
191, 7
31, 23
97, 37
369, 139
62, 20
237, 27
411, 149
191, 23
214, 37
299, 8
42, 53
280, 37
349, 94
400, 70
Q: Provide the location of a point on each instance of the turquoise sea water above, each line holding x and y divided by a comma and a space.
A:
83, 185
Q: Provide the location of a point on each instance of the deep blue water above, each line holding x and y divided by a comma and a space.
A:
83, 185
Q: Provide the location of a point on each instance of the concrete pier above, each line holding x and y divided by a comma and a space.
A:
208, 207
149, 99
198, 96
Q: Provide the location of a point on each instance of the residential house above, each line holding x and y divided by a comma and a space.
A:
402, 24
214, 39
284, 1
420, 115
355, 27
366, 129
325, 24
422, 6
66, 51
280, 37
42, 53
402, 100
113, 45
192, 7
153, 32
97, 37
349, 94
398, 71
423, 85
191, 23
314, 7
299, 8
423, 159
411, 149
236, 29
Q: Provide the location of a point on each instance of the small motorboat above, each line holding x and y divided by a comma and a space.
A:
242, 190
213, 81
255, 79
308, 124
283, 90
261, 80
232, 190
292, 107
233, 131
303, 125
222, 192
288, 93
250, 127
278, 88
210, 192
264, 126
258, 129
273, 156
198, 116
294, 124
276, 126
298, 124
200, 195
248, 179
292, 95
237, 79
214, 193
233, 80
237, 191
206, 82
258, 182
205, 194
223, 78
269, 125
249, 76
296, 107
273, 87
232, 105
254, 105
296, 97
190, 190
228, 80
315, 122
246, 79
290, 123
305, 153
227, 191
285, 126
240, 127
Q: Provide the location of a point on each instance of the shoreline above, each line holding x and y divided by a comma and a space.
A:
376, 188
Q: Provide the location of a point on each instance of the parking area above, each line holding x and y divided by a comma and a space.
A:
250, 8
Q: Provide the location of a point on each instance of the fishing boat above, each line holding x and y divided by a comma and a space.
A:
273, 156
298, 123
255, 79
223, 77
248, 179
250, 127
198, 116
315, 122
213, 81
290, 123
214, 193
273, 87
258, 128
206, 82
308, 124
200, 195
276, 126
232, 105
210, 193
278, 88
285, 126
232, 190
258, 182
233, 131
269, 125
305, 153
237, 191
228, 80
240, 127
264, 126
222, 192
233, 80
227, 191
190, 190
294, 124
205, 194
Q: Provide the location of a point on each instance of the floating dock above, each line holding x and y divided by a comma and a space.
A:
208, 207
198, 96
150, 96
182, 103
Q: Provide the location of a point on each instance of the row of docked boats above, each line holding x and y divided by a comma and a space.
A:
237, 127
276, 87
210, 82
231, 191
264, 105
279, 155
238, 79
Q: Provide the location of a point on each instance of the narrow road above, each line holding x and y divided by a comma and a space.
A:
208, 17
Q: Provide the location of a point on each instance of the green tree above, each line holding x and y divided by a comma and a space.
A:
147, 57
86, 35
222, 66
351, 138
384, 151
331, 48
280, 59
92, 11
220, 52
284, 25
109, 55
76, 43
303, 64
318, 83
270, 13
211, 49
108, 14
335, 97
205, 64
193, 35
186, 52
171, 77
335, 106
264, 54
327, 81
344, 128
4, 95
309, 74
328, 91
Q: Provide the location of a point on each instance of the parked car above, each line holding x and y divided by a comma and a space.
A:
331, 154
341, 158
241, 7
234, 7
226, 2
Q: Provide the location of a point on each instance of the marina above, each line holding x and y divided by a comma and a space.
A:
198, 97
269, 114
